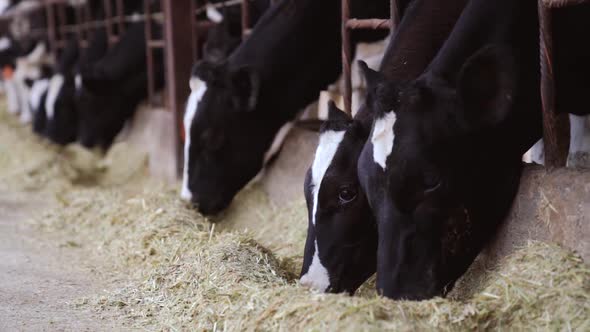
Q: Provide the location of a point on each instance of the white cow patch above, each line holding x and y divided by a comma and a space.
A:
55, 85
78, 82
37, 91
329, 142
382, 139
198, 88
213, 14
5, 43
317, 276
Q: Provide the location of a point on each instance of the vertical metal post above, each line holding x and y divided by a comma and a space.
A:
195, 32
245, 17
556, 127
121, 16
148, 50
108, 11
51, 33
346, 58
178, 62
394, 15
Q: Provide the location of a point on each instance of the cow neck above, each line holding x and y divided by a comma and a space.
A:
424, 28
290, 37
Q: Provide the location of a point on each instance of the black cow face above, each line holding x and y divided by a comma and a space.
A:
61, 112
435, 195
341, 247
225, 147
105, 106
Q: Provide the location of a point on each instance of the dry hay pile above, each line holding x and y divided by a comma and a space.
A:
181, 273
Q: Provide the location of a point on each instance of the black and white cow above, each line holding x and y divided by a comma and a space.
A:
38, 94
341, 247
236, 108
59, 107
225, 36
444, 176
113, 87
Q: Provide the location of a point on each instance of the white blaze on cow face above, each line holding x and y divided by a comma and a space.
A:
55, 85
382, 139
198, 89
317, 276
37, 91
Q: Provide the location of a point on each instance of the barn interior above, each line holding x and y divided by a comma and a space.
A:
159, 265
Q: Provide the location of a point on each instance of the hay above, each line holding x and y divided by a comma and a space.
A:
180, 272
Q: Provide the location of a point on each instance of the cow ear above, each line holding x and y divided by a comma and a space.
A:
336, 114
245, 83
487, 86
372, 77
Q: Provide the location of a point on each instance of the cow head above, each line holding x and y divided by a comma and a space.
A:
435, 194
341, 247
60, 108
223, 150
105, 106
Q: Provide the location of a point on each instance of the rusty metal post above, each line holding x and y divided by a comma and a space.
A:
121, 17
148, 50
108, 13
195, 32
346, 57
245, 17
178, 62
394, 16
51, 27
556, 128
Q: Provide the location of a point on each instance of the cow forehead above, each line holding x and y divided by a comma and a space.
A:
382, 138
191, 109
328, 145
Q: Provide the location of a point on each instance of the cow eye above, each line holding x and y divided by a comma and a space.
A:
346, 195
431, 182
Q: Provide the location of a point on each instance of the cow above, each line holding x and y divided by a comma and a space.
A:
341, 246
225, 36
113, 87
66, 85
237, 108
444, 176
59, 107
37, 97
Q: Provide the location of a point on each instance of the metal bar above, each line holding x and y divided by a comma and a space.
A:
149, 54
394, 17
121, 16
245, 17
178, 63
107, 20
156, 43
556, 128
195, 32
346, 58
51, 33
375, 24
